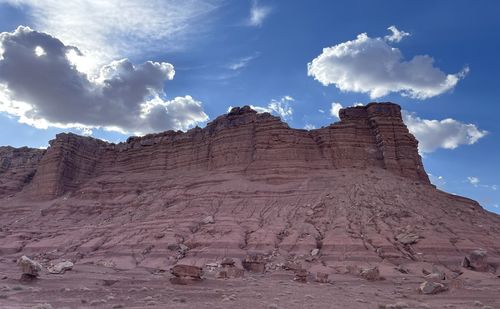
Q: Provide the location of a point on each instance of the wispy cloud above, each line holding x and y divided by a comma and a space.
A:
107, 30
258, 13
477, 183
242, 62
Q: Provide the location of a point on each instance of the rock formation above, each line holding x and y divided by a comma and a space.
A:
246, 185
17, 168
242, 141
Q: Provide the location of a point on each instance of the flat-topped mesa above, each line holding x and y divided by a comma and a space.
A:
241, 141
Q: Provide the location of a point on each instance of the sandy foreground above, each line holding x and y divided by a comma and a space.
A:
91, 286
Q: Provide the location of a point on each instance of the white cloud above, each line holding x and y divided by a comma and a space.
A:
47, 91
396, 35
473, 180
242, 62
335, 109
447, 133
309, 126
372, 66
258, 13
111, 29
279, 107
476, 183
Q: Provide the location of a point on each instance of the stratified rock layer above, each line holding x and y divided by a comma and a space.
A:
245, 185
17, 168
242, 141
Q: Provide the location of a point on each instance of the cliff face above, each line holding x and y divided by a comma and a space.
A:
332, 201
17, 168
355, 191
240, 141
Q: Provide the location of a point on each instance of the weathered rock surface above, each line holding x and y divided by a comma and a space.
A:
185, 274
370, 273
17, 168
477, 260
301, 275
61, 267
430, 287
241, 141
29, 268
265, 189
255, 263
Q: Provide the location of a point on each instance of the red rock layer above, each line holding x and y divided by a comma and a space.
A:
245, 184
17, 168
240, 141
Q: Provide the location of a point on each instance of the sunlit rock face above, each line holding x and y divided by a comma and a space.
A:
240, 141
352, 192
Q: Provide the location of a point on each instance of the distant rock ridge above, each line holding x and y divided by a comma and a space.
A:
240, 141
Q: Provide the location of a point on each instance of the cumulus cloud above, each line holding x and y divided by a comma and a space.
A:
447, 133
42, 87
335, 109
258, 13
309, 127
396, 35
281, 107
106, 30
372, 66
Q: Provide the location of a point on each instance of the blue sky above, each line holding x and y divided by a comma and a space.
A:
438, 62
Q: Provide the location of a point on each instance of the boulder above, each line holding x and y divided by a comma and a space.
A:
255, 263
321, 277
429, 287
227, 262
477, 260
370, 274
185, 274
229, 270
191, 271
30, 269
60, 268
301, 275
208, 220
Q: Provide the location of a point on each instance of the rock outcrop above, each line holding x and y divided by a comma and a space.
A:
247, 187
17, 168
240, 141
30, 269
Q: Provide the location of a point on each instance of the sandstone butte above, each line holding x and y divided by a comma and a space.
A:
352, 194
